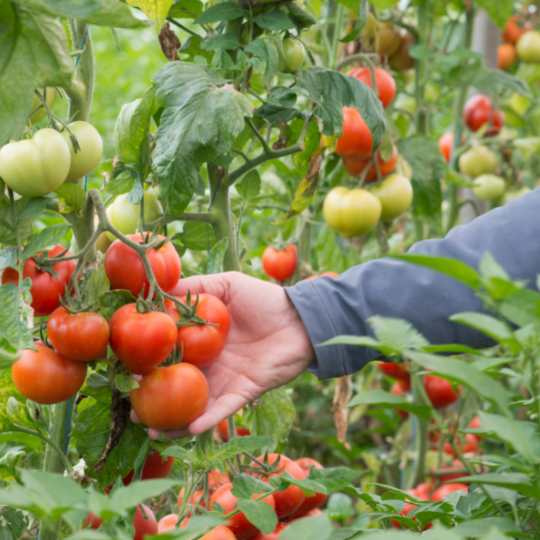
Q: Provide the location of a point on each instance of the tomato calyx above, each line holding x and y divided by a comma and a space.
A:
264, 467
188, 315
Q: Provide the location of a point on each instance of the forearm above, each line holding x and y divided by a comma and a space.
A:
331, 307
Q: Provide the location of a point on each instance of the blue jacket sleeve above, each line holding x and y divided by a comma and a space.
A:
332, 307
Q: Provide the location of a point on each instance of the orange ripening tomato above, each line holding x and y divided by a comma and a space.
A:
202, 345
223, 430
154, 467
395, 371
141, 341
46, 290
167, 523
310, 503
290, 500
440, 392
506, 56
279, 265
197, 497
170, 397
442, 491
386, 86
47, 377
479, 111
356, 141
79, 336
217, 479
355, 166
219, 533
125, 268
239, 523
515, 27
469, 445
446, 143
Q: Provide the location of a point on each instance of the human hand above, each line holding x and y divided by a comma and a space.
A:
267, 346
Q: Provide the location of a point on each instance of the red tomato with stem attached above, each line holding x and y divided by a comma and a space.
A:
47, 377
223, 430
475, 423
279, 265
479, 111
515, 27
318, 499
395, 371
440, 392
144, 525
197, 497
356, 141
355, 167
125, 269
386, 86
289, 501
154, 467
202, 345
467, 445
238, 524
442, 491
141, 341
79, 336
170, 397
46, 290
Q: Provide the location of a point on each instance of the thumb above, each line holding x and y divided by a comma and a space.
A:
214, 284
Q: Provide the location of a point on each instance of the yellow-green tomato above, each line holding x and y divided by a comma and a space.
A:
395, 194
37, 166
351, 213
489, 187
511, 195
478, 160
528, 47
294, 54
90, 149
125, 215
36, 102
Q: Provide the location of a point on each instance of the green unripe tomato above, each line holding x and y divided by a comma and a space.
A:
294, 54
37, 166
36, 102
478, 160
519, 104
511, 195
90, 149
395, 194
489, 187
528, 47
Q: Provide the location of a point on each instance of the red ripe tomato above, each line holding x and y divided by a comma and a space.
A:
195, 498
202, 345
395, 370
355, 166
475, 423
515, 27
318, 499
279, 265
154, 468
440, 392
141, 341
167, 523
144, 526
470, 444
92, 521
217, 479
479, 111
386, 86
423, 490
398, 390
47, 377
442, 491
289, 501
170, 397
274, 535
223, 430
79, 336
452, 476
356, 141
446, 143
238, 524
125, 268
46, 289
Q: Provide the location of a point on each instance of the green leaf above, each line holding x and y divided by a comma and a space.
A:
186, 9
324, 84
522, 307
493, 80
224, 11
300, 17
7, 234
467, 375
132, 132
363, 15
192, 48
476, 528
197, 236
225, 41
514, 481
455, 178
9, 258
422, 52
125, 383
96, 285
13, 521
333, 252
313, 528
451, 267
380, 398
72, 198
245, 486
260, 514
270, 51
132, 495
181, 454
275, 20
201, 121
353, 5
47, 238
123, 183
115, 14
274, 417
18, 414
250, 185
239, 445
33, 54
15, 316
215, 258
428, 167
35, 206
114, 300
397, 333
155, 10
499, 10
334, 479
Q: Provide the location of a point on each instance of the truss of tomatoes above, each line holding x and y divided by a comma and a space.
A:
141, 337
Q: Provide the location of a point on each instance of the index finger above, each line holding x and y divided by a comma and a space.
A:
214, 284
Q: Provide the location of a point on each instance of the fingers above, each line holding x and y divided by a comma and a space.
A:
224, 407
215, 284
173, 434
134, 417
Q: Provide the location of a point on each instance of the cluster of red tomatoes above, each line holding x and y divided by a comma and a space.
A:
142, 337
289, 505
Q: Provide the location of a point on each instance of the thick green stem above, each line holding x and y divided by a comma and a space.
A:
421, 433
335, 38
223, 222
304, 242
